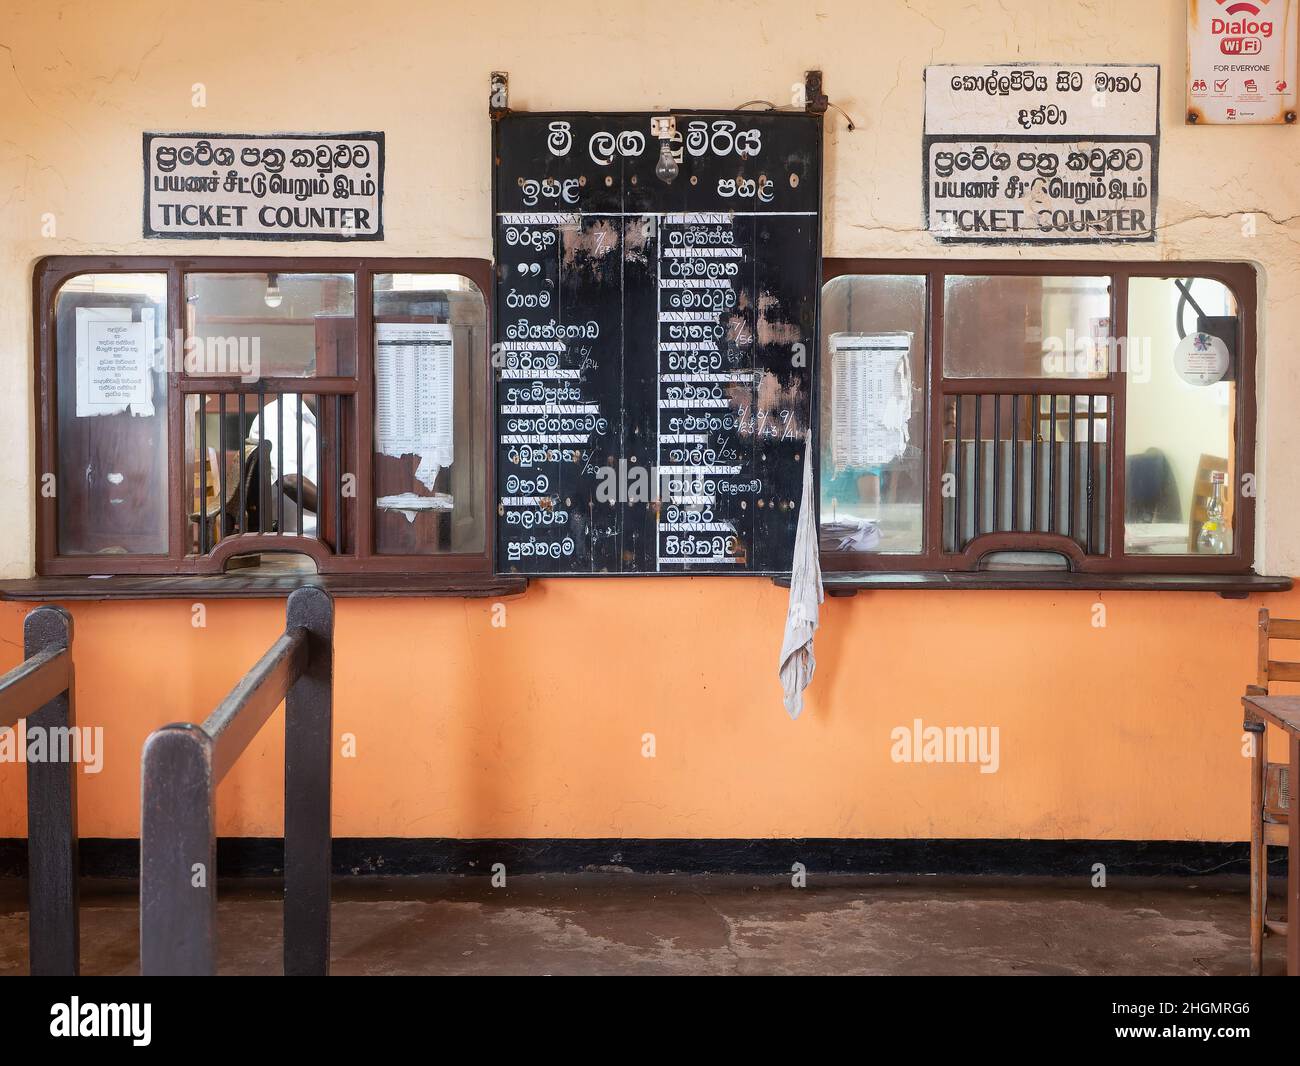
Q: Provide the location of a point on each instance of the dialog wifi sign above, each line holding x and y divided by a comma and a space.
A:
1241, 61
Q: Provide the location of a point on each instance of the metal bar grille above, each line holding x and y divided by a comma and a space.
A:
1015, 442
958, 463
1033, 458
320, 470
243, 468
994, 470
264, 468
203, 474
301, 491
221, 469
997, 463
1051, 464
1092, 496
280, 457
338, 474
977, 500
279, 453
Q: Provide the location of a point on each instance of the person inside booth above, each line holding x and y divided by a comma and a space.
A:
293, 472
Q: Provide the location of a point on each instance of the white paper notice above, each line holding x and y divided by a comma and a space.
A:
114, 361
871, 398
413, 394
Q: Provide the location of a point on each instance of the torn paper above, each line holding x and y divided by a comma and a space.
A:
851, 535
413, 394
871, 398
409, 504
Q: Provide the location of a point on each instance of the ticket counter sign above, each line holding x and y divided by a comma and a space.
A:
1038, 154
270, 187
1241, 61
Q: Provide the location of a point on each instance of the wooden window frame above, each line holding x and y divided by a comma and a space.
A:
1239, 278
52, 272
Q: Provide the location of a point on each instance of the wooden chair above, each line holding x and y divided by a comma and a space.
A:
223, 517
256, 453
1270, 785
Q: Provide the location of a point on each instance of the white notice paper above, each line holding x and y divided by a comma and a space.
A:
114, 360
871, 397
413, 394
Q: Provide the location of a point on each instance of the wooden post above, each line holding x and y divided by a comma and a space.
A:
308, 750
1258, 848
1293, 873
178, 854
53, 932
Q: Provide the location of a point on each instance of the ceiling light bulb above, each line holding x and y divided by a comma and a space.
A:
273, 297
666, 170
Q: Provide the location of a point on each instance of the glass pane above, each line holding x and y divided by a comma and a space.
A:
872, 413
270, 325
1025, 327
110, 356
1180, 468
431, 381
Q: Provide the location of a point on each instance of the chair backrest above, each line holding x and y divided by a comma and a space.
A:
1271, 670
256, 495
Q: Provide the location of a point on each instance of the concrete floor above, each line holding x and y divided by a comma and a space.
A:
622, 923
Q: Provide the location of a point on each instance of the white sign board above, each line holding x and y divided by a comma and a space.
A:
1041, 154
1241, 61
270, 187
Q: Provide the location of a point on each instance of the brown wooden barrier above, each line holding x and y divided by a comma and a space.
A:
184, 763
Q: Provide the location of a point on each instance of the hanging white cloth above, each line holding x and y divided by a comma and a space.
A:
797, 660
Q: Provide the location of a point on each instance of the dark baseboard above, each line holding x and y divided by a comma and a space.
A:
264, 856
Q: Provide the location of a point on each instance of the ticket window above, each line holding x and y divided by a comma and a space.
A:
318, 414
1082, 416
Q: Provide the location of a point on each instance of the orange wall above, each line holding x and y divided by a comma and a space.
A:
1132, 731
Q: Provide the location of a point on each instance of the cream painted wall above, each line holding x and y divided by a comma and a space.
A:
79, 81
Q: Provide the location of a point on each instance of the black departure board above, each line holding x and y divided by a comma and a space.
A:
655, 338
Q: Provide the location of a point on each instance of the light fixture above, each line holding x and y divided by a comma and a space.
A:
273, 297
665, 128
666, 169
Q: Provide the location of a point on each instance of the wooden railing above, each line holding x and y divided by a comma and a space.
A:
39, 693
184, 763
